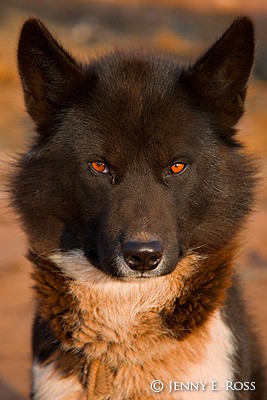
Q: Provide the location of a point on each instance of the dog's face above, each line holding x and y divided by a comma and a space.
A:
135, 162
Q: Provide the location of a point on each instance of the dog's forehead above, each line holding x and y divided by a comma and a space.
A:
135, 87
158, 135
137, 103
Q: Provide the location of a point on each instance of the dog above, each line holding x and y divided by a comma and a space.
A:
133, 195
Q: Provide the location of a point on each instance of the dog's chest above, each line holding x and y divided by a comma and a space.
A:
156, 367
124, 332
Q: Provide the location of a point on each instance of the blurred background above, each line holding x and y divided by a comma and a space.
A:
88, 28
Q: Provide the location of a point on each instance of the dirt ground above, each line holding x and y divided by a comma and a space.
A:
182, 27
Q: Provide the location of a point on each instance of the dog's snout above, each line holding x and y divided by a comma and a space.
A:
142, 256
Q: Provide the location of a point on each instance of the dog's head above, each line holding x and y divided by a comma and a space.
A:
135, 162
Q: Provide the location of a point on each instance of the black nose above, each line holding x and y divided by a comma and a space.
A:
142, 256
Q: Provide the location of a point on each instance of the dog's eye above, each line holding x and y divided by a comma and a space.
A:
177, 168
100, 167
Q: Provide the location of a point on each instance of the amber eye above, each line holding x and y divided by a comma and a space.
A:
177, 168
100, 167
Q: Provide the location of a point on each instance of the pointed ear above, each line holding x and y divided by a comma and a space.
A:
219, 78
48, 73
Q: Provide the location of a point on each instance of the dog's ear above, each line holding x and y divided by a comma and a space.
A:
48, 73
219, 78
